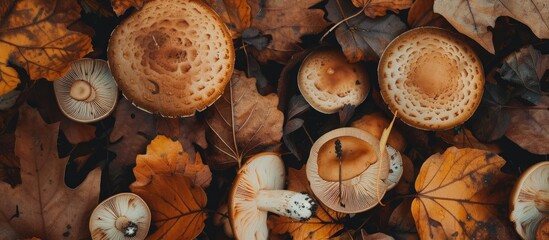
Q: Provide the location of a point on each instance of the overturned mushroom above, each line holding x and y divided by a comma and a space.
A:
122, 216
88, 92
257, 190
328, 82
434, 80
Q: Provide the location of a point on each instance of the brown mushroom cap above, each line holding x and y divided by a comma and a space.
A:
172, 57
530, 200
434, 80
375, 123
328, 82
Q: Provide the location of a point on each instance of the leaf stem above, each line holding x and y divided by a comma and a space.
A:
343, 21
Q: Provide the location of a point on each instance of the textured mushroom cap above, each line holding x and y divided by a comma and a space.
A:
530, 199
396, 167
359, 193
434, 80
172, 57
104, 217
328, 82
95, 75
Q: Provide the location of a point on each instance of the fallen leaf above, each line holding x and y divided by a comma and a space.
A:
9, 163
94, 6
9, 99
463, 138
363, 38
473, 18
378, 8
167, 157
325, 223
77, 132
241, 123
188, 130
234, 13
42, 205
286, 21
462, 194
529, 128
33, 35
491, 120
401, 223
120, 6
177, 206
362, 235
421, 14
525, 69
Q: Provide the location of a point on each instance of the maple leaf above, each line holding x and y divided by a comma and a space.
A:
324, 224
462, 194
377, 8
362, 38
473, 17
234, 13
241, 123
33, 35
529, 128
42, 205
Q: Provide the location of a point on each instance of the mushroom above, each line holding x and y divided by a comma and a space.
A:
172, 57
530, 200
122, 216
257, 190
432, 78
374, 123
396, 168
363, 172
328, 82
88, 92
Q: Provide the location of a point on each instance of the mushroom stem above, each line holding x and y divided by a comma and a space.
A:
126, 226
82, 91
542, 201
287, 203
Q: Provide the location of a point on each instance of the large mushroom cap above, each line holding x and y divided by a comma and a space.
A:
434, 80
530, 200
328, 82
88, 92
172, 57
359, 192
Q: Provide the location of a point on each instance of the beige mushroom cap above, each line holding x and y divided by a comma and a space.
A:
358, 193
88, 92
122, 216
396, 167
432, 78
530, 200
328, 82
172, 57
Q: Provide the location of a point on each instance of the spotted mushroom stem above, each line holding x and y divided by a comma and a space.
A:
126, 226
299, 206
542, 201
82, 91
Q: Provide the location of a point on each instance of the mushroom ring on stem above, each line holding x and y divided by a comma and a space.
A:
257, 190
432, 78
360, 183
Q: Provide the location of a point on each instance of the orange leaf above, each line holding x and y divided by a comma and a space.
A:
421, 14
120, 6
33, 35
234, 13
324, 224
42, 205
464, 138
378, 8
462, 194
177, 206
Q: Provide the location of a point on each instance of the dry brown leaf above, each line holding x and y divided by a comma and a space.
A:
529, 128
464, 139
241, 123
120, 6
324, 224
286, 21
177, 206
401, 222
421, 14
473, 17
187, 130
77, 132
33, 35
378, 8
167, 157
462, 194
234, 13
9, 163
42, 205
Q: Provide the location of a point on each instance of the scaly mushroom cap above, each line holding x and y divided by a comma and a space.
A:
358, 193
434, 80
530, 200
328, 82
172, 57
122, 216
88, 92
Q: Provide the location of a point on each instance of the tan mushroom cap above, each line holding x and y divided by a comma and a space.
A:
172, 57
433, 79
530, 200
375, 123
328, 82
358, 193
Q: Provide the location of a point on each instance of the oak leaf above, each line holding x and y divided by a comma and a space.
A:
529, 128
34, 36
473, 17
325, 223
363, 38
120, 6
241, 123
378, 8
234, 13
43, 205
462, 194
